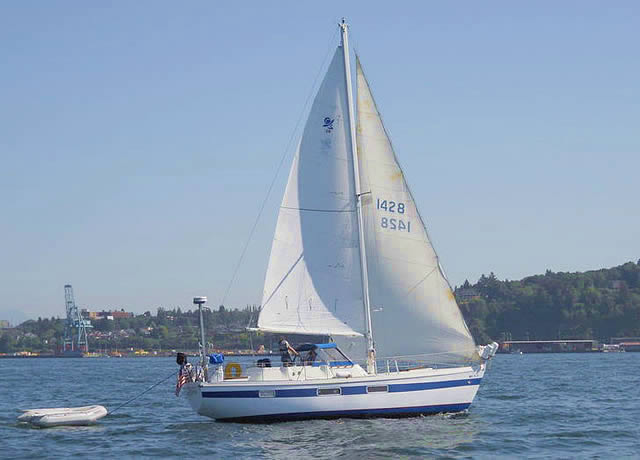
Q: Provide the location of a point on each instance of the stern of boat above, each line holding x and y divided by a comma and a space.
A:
193, 394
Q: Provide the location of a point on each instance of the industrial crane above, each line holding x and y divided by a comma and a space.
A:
74, 322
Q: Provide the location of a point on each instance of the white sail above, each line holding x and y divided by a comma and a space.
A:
413, 308
313, 281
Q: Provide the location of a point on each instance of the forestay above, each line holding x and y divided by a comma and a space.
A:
413, 308
313, 281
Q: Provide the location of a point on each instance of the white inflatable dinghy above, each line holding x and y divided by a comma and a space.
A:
62, 416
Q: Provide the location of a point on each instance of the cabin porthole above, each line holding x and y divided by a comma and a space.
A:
329, 391
378, 389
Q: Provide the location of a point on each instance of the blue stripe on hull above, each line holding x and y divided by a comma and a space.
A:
346, 390
358, 413
354, 390
296, 393
231, 394
401, 387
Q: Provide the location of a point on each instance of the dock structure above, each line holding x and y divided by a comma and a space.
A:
549, 346
628, 343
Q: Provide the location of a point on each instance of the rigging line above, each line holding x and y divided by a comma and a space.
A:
273, 181
145, 391
283, 279
421, 281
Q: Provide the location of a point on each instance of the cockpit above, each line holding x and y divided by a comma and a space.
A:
320, 354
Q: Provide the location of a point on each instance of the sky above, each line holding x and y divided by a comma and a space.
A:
138, 139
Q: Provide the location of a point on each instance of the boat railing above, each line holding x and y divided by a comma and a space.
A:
390, 365
300, 370
397, 364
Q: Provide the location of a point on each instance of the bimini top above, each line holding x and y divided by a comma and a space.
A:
326, 345
315, 346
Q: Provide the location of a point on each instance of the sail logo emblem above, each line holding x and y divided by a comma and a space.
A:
328, 124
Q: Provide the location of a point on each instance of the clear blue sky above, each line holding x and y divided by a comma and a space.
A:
137, 139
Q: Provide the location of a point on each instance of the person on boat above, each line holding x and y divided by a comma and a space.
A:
310, 357
287, 352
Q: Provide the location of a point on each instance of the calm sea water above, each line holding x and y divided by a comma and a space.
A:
534, 406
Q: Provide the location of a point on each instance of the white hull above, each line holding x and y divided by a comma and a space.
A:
405, 393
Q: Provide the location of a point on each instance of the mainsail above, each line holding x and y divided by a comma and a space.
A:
313, 281
413, 308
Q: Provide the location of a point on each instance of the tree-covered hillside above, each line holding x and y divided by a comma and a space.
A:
597, 304
167, 329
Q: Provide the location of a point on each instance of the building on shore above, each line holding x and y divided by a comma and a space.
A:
116, 314
466, 295
548, 346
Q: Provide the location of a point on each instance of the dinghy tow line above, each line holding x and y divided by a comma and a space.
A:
145, 391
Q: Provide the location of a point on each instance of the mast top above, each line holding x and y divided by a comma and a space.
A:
344, 27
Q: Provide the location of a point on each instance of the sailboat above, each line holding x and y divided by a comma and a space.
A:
351, 259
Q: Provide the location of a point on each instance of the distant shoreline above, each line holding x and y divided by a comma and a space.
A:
131, 355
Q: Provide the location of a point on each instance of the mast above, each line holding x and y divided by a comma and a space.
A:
371, 361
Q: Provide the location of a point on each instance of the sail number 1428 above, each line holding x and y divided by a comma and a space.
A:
392, 223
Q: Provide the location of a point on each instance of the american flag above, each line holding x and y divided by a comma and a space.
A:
184, 376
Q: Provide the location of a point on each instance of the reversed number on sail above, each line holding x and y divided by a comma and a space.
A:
392, 223
395, 224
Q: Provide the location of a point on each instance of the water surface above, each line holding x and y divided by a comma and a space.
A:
533, 406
